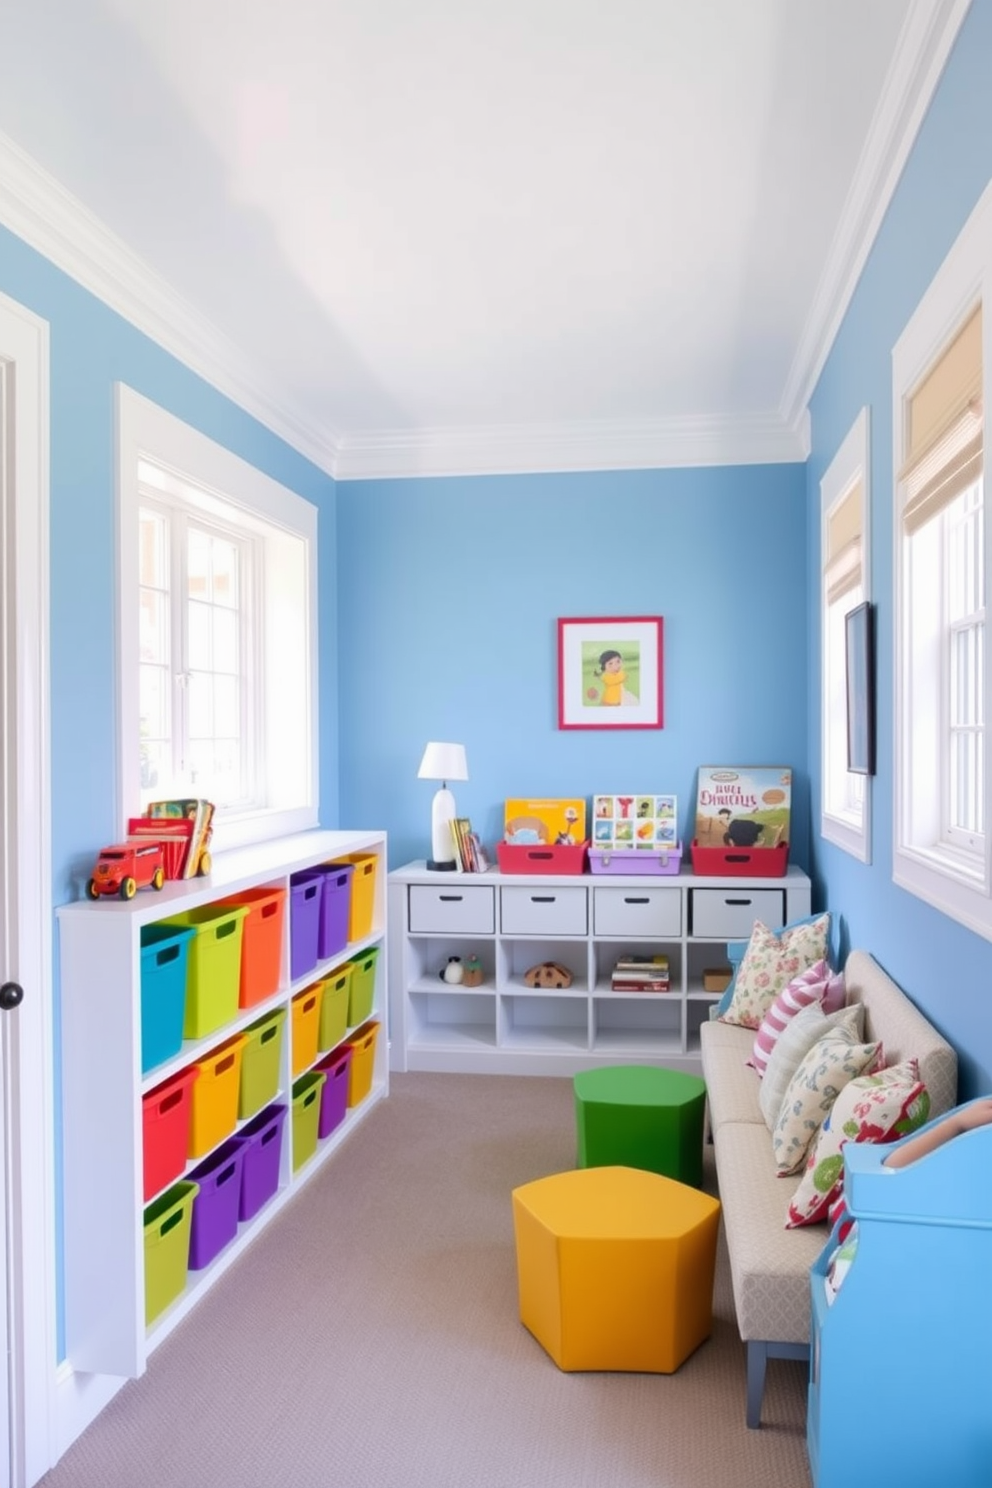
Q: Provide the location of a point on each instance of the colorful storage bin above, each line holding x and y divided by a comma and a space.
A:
214, 971
167, 1224
261, 1141
544, 857
260, 1062
741, 862
639, 861
164, 962
362, 908
165, 1120
215, 1208
334, 1007
335, 906
361, 995
261, 943
334, 1096
305, 1008
306, 1115
362, 1045
215, 1096
305, 896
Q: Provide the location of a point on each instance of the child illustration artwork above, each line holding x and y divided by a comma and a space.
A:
613, 675
611, 678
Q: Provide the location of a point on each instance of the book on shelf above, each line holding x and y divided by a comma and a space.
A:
626, 823
193, 810
641, 974
641, 986
469, 852
560, 821
743, 806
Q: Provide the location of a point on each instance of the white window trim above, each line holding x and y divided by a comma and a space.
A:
963, 278
146, 430
849, 465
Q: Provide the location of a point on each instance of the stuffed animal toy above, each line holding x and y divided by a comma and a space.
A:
548, 974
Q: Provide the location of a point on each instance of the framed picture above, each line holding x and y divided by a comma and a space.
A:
610, 673
859, 640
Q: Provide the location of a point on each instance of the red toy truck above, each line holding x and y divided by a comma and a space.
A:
127, 867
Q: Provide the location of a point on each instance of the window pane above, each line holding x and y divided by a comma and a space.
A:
153, 635
200, 694
198, 564
198, 636
225, 573
152, 550
153, 702
225, 638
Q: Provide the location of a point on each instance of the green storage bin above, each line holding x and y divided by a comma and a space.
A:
167, 1223
334, 1007
362, 993
306, 1113
213, 972
260, 1058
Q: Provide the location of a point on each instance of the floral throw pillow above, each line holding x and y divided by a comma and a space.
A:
816, 984
870, 1108
832, 1062
770, 963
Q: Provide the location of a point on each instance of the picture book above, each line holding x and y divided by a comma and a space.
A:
560, 820
625, 823
743, 806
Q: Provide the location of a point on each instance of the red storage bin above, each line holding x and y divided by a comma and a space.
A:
261, 943
741, 862
542, 857
165, 1117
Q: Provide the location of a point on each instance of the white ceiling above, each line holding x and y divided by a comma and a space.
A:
460, 235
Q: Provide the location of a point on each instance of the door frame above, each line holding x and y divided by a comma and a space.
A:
28, 1074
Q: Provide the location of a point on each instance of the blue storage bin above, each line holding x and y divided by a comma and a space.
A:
164, 963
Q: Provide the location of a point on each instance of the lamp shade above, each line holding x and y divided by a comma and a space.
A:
443, 762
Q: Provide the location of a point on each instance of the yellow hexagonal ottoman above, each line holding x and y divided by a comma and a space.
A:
615, 1267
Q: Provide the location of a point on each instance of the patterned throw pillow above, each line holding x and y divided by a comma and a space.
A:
871, 1108
792, 1046
816, 984
833, 1061
769, 965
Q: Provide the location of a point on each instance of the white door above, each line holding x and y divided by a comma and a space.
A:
27, 1238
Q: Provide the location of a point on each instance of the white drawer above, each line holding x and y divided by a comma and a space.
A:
454, 909
731, 913
637, 911
551, 911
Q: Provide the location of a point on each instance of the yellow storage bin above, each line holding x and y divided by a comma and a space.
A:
306, 1115
362, 908
334, 1007
305, 1027
362, 1044
260, 1063
214, 1112
167, 1224
213, 966
361, 996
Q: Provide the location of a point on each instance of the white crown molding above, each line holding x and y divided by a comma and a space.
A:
55, 223
518, 449
927, 36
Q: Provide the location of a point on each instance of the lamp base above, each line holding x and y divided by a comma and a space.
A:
441, 867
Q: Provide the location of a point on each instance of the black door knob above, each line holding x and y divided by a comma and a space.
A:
11, 995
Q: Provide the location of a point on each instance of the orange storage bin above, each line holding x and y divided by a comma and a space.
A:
305, 1027
362, 1044
261, 943
215, 1096
165, 1118
362, 909
334, 1007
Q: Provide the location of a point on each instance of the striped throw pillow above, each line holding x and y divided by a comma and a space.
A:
816, 984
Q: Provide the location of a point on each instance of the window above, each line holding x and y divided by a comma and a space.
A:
941, 847
217, 627
844, 504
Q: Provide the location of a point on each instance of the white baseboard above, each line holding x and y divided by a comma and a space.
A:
79, 1399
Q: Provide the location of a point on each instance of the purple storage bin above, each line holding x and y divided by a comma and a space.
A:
636, 860
261, 1142
215, 1208
305, 893
334, 1096
335, 905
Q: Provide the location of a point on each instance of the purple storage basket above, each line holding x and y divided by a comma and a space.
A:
305, 893
334, 1096
335, 905
215, 1208
261, 1140
636, 861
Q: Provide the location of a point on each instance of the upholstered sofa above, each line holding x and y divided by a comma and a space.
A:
770, 1263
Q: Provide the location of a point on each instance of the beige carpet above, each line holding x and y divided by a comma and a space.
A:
369, 1338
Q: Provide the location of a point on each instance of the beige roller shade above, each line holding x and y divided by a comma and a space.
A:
842, 566
945, 427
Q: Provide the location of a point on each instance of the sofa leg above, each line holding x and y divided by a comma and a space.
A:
759, 1351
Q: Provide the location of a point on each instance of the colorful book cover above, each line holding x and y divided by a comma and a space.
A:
744, 806
561, 820
626, 823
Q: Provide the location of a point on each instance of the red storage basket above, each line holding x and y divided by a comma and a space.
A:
165, 1117
741, 862
542, 857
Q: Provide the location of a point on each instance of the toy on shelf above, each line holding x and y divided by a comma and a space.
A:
471, 972
126, 867
453, 971
185, 828
548, 974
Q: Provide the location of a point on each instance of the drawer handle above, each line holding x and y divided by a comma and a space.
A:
450, 898
542, 898
629, 899
744, 902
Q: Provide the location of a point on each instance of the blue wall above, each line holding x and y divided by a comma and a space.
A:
450, 591
946, 969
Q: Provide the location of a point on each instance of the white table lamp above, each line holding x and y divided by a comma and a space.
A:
443, 762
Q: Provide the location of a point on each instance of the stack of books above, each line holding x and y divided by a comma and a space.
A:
470, 855
641, 974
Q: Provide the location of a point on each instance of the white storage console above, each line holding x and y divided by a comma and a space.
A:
103, 1087
511, 922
